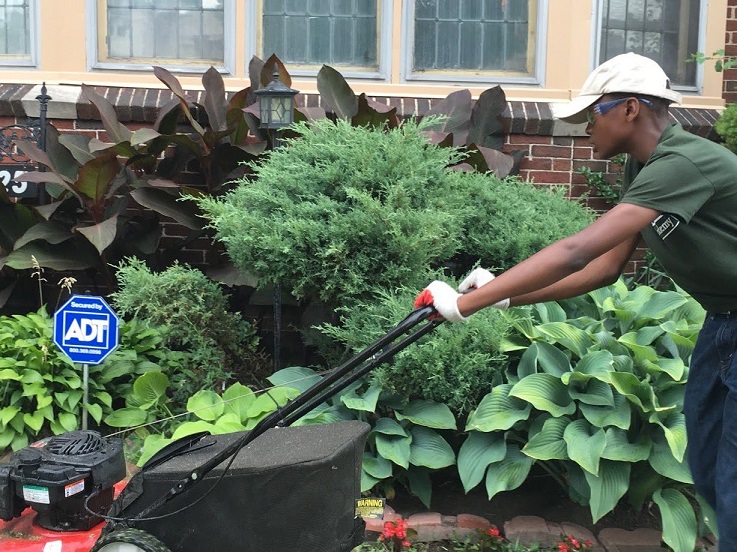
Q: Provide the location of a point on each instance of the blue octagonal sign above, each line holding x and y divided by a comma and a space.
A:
86, 329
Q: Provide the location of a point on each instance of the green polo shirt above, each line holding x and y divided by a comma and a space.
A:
692, 182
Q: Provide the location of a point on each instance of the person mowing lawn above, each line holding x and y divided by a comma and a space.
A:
679, 193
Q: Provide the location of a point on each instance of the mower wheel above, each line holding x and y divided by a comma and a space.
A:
129, 540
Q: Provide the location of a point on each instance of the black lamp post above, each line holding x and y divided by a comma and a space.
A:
276, 103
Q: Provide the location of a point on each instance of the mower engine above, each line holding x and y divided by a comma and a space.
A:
55, 476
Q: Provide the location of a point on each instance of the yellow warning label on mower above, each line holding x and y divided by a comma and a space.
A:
370, 508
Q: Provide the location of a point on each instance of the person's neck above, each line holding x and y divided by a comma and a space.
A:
648, 137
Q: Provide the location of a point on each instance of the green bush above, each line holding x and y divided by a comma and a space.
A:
506, 221
346, 210
455, 364
194, 311
726, 127
341, 210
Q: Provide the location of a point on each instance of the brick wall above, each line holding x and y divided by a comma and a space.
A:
730, 49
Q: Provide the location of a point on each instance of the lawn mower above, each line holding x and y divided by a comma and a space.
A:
277, 487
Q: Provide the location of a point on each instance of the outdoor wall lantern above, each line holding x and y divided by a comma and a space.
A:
276, 103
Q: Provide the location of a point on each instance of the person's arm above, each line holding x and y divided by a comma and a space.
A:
571, 266
602, 271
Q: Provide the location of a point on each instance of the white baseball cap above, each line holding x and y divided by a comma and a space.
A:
628, 73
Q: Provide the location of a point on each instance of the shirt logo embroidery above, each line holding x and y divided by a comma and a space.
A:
665, 224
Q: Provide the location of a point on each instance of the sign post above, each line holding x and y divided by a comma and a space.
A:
86, 330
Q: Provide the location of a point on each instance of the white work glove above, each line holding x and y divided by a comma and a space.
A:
477, 278
444, 298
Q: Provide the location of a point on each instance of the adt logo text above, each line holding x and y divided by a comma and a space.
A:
89, 331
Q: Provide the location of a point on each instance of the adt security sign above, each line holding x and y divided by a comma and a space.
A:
86, 329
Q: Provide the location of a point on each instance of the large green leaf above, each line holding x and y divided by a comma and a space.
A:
270, 400
420, 483
545, 392
116, 131
365, 403
679, 341
387, 426
642, 352
174, 206
485, 121
229, 422
674, 427
673, 367
608, 487
509, 473
237, 398
69, 255
214, 101
101, 235
574, 339
455, 110
498, 411
636, 391
79, 146
477, 452
591, 391
661, 304
708, 515
595, 364
548, 443
206, 405
335, 93
296, 377
679, 520
394, 448
39, 156
428, 414
50, 232
585, 444
549, 358
190, 428
151, 387
620, 449
96, 176
662, 461
619, 415
34, 420
126, 417
377, 467
429, 449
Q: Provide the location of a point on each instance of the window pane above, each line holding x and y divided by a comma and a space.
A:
663, 30
314, 32
187, 30
15, 29
471, 35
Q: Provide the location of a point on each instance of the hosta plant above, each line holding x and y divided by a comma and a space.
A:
152, 424
408, 437
41, 389
596, 398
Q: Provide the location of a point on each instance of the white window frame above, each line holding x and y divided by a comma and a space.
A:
33, 23
253, 28
698, 88
93, 53
496, 77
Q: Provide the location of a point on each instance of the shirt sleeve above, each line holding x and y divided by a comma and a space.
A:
671, 184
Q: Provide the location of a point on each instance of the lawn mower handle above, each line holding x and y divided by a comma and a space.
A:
379, 351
